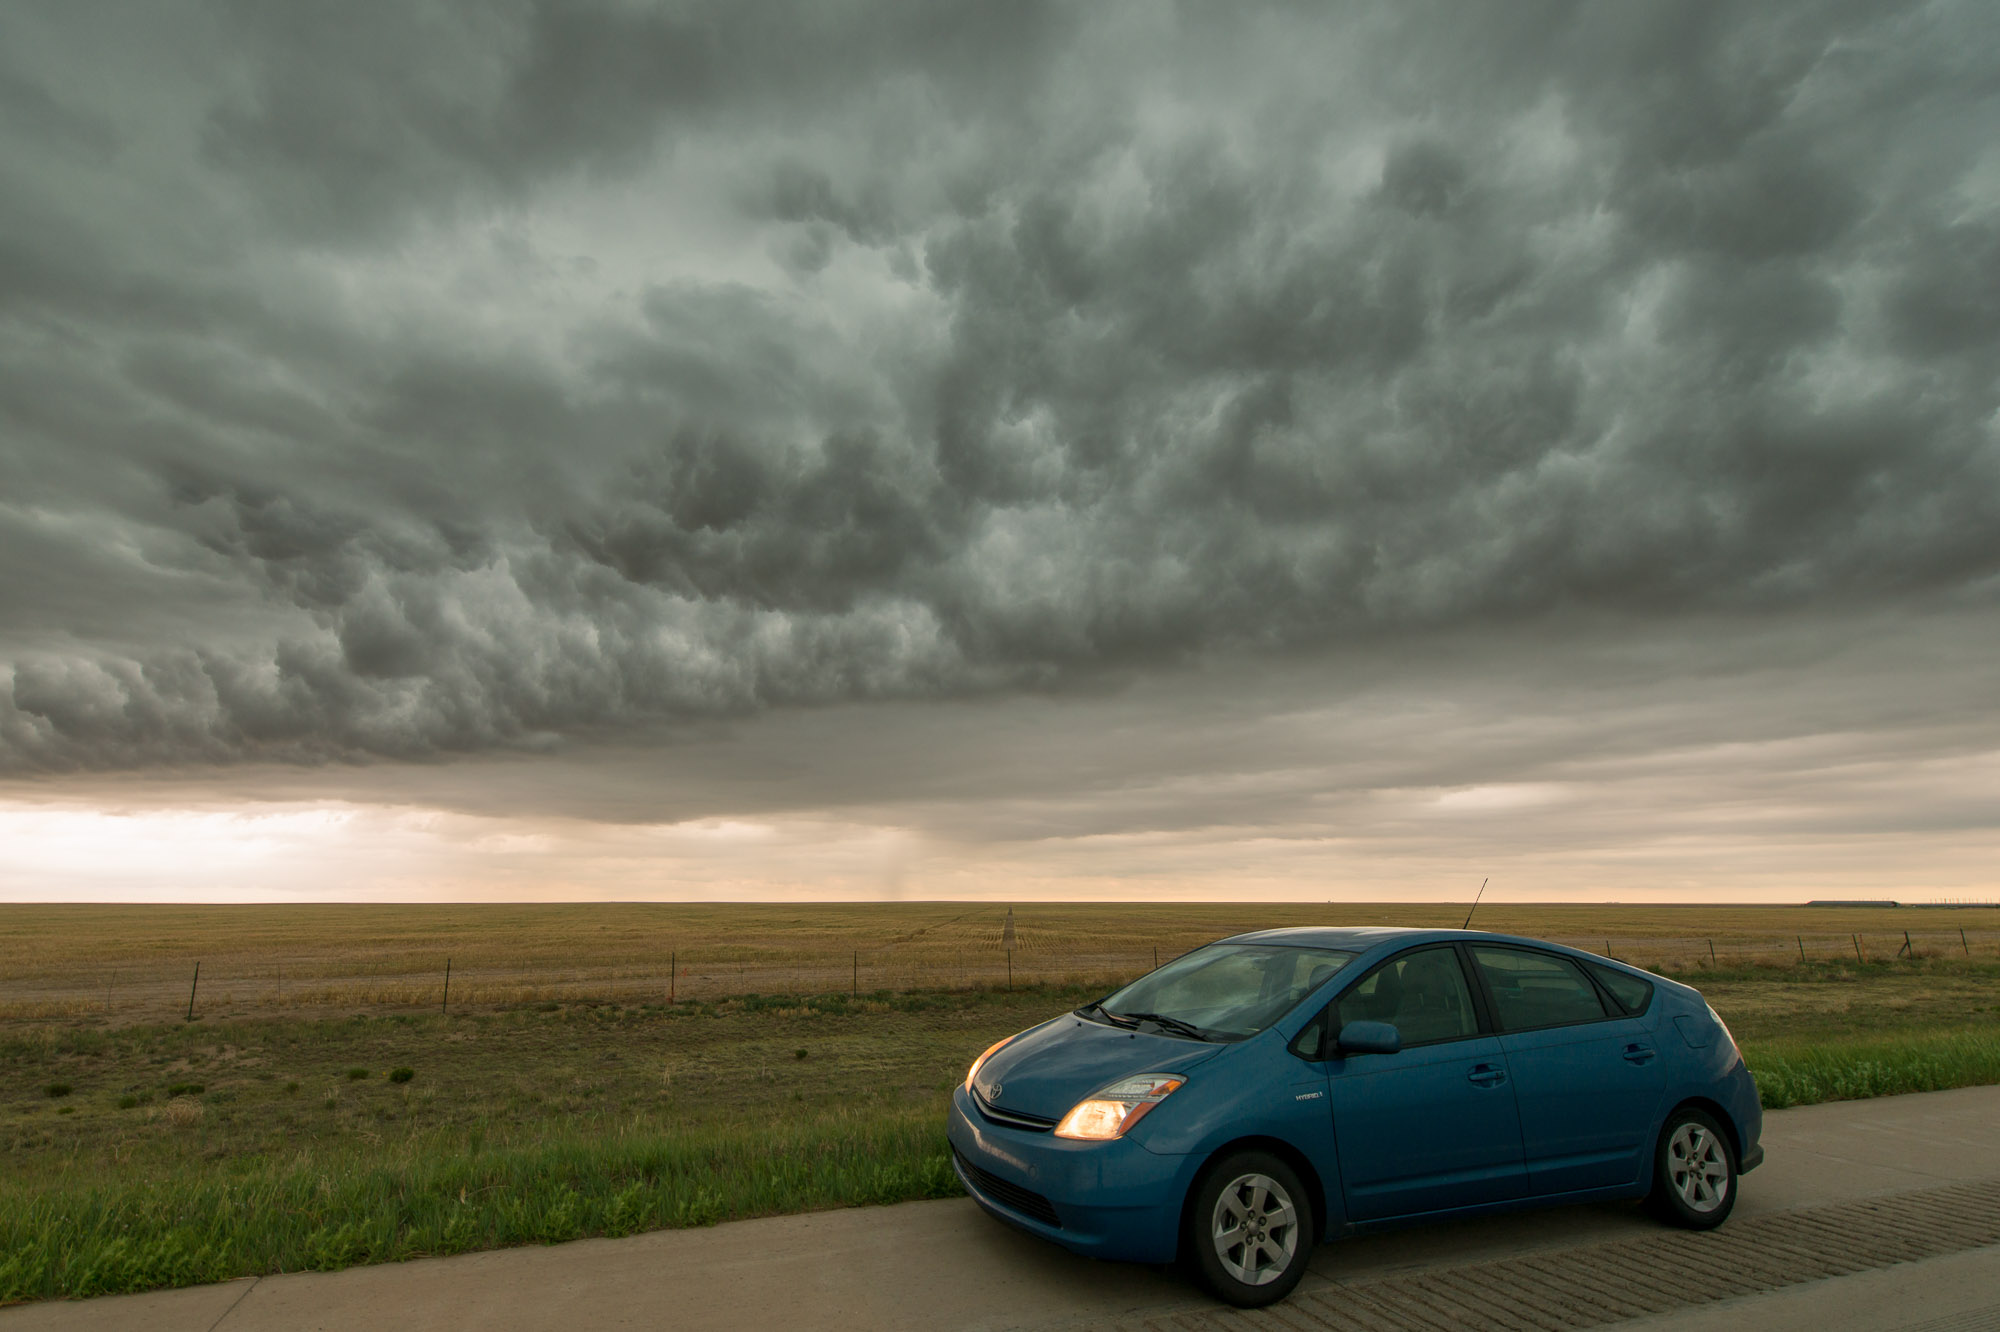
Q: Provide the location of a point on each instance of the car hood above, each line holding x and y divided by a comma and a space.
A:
1046, 1070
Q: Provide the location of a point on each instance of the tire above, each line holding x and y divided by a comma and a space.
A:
1249, 1230
1694, 1172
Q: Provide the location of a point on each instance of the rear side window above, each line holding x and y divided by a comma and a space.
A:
1536, 989
1422, 994
1631, 993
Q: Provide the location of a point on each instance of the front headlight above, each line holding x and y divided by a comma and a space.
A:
1112, 1112
980, 1062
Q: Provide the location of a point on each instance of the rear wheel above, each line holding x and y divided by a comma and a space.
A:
1694, 1172
1250, 1230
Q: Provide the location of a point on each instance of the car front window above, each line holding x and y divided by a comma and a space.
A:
1422, 995
1228, 991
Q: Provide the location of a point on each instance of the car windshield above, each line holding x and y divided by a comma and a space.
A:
1225, 991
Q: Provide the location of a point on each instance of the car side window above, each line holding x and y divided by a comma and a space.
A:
1311, 1042
1631, 993
1422, 994
1536, 989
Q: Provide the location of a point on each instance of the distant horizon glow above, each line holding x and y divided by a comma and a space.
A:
341, 852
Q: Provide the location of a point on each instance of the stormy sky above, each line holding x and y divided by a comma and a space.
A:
864, 449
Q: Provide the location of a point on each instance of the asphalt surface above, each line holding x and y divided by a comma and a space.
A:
1867, 1214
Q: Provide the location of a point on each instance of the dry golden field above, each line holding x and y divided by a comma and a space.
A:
123, 964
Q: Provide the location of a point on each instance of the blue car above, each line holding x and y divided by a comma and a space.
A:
1275, 1089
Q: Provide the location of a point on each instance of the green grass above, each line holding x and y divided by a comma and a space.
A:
434, 1196
1791, 1073
523, 1127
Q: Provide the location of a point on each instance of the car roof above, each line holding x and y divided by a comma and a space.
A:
1359, 937
1369, 938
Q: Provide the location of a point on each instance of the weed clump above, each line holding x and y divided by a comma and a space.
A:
58, 1089
1789, 1075
357, 1074
186, 1089
401, 1074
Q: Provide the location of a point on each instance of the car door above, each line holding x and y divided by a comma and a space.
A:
1587, 1076
1433, 1126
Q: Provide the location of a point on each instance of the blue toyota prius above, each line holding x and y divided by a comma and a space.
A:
1275, 1089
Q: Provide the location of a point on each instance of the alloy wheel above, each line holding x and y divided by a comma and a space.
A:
1698, 1166
1255, 1229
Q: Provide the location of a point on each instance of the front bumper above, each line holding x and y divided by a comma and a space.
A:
1103, 1199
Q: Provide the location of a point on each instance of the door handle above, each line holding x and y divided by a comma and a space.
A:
1638, 1054
1486, 1075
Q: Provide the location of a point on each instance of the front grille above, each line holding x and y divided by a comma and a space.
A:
1011, 1118
1025, 1201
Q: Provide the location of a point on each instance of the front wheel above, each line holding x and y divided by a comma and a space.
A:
1250, 1231
1694, 1172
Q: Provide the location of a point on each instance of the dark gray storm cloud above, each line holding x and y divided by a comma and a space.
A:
410, 380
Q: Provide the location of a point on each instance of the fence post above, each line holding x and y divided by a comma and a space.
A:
1802, 946
673, 976
444, 1004
1010, 971
191, 989
1711, 953
1908, 949
1857, 948
1962, 943
854, 988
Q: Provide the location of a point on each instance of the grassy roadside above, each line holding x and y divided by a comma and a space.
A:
190, 1153
1793, 1073
431, 1195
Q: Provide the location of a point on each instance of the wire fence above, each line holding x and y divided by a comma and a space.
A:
320, 985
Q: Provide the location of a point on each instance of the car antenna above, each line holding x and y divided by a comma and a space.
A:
1475, 905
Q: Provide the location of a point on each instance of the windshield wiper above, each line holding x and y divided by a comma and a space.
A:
1187, 1029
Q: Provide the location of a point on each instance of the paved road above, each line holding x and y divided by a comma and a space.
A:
1857, 1202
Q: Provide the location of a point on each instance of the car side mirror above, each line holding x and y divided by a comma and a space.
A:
1370, 1038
